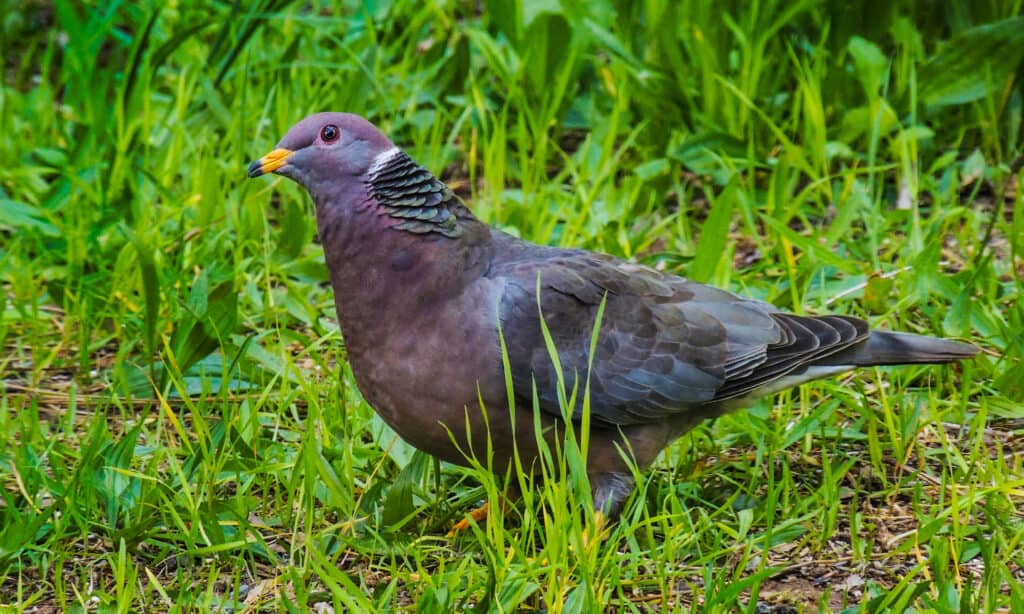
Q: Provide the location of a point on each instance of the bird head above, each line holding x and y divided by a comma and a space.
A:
325, 147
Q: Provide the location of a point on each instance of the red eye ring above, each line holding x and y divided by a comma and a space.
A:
329, 133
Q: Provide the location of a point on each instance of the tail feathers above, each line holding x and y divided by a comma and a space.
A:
886, 348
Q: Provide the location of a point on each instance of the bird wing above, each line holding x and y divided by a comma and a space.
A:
665, 344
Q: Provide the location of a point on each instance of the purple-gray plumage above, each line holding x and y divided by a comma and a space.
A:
422, 289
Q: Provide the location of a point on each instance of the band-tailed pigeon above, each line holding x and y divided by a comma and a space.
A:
427, 294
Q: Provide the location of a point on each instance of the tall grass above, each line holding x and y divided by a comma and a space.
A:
179, 427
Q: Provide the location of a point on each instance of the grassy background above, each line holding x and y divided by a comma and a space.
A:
178, 426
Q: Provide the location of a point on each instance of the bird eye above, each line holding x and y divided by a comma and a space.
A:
329, 133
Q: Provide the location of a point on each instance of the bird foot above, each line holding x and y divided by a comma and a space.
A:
597, 532
473, 517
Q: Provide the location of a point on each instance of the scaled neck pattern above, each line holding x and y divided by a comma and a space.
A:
411, 193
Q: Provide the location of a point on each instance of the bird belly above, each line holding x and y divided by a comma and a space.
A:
438, 381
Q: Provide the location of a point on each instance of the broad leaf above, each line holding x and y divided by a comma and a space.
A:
973, 63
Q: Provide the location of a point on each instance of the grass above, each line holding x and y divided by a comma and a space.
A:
179, 429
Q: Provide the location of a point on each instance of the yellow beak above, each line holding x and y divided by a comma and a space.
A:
270, 162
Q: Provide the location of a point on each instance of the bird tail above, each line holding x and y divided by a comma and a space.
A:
886, 348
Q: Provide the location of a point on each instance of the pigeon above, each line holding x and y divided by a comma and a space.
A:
436, 308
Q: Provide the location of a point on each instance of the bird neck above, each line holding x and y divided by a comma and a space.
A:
419, 202
386, 263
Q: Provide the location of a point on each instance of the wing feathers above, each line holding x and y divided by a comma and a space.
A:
807, 339
666, 345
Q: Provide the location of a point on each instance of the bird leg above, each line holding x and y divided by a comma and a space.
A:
610, 491
476, 516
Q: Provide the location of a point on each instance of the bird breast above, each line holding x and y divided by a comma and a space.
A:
425, 370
